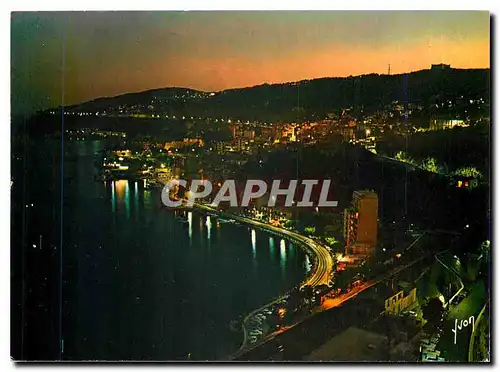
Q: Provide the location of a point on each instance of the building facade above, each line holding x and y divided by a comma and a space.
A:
361, 223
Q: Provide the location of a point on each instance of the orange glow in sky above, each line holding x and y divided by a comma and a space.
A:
110, 53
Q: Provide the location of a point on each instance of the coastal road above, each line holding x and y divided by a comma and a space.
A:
324, 261
339, 300
334, 316
321, 274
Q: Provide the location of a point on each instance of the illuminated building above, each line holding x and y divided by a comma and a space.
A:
220, 146
440, 124
240, 144
249, 134
235, 130
348, 133
268, 133
186, 142
440, 67
123, 153
360, 223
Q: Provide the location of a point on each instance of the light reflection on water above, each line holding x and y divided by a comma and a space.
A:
190, 222
254, 244
175, 300
136, 198
120, 196
291, 250
147, 199
307, 264
113, 198
208, 223
271, 248
283, 256
127, 199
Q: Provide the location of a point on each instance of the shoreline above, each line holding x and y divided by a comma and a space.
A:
320, 274
316, 276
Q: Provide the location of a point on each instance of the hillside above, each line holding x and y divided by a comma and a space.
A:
307, 99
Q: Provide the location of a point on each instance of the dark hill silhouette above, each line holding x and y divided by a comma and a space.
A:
306, 99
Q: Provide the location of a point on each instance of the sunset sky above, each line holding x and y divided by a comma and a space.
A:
106, 54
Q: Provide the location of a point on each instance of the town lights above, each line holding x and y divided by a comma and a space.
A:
281, 312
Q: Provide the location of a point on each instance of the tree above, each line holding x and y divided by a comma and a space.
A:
430, 165
307, 291
343, 279
472, 269
403, 157
366, 267
334, 244
433, 312
310, 230
469, 171
330, 240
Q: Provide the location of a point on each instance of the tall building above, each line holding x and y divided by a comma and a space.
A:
360, 223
